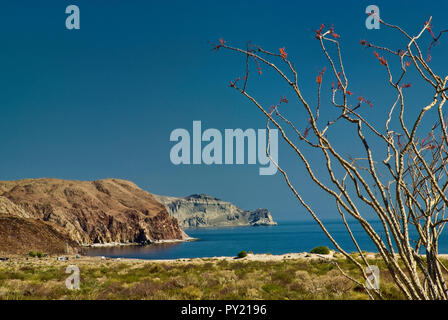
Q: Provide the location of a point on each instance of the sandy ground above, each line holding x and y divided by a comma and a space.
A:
257, 257
72, 259
52, 260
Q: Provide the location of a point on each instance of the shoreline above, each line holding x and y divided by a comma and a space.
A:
52, 260
262, 257
124, 244
186, 229
250, 257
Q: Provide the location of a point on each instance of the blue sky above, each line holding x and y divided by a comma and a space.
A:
102, 101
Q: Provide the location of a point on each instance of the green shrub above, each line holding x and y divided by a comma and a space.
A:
320, 250
38, 254
242, 254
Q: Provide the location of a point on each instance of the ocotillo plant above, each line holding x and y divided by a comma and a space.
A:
401, 176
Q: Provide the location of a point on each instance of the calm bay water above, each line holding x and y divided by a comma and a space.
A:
287, 237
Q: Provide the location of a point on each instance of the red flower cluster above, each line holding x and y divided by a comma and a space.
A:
381, 59
283, 53
361, 100
334, 34
406, 85
320, 75
319, 31
220, 44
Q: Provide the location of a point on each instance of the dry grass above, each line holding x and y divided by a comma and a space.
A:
301, 278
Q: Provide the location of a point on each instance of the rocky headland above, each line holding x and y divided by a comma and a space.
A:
200, 210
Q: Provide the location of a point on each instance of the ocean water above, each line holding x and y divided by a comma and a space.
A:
287, 237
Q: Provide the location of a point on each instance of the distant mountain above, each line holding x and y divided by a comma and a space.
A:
82, 213
200, 210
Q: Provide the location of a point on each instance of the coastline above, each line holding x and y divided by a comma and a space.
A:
123, 244
261, 257
212, 227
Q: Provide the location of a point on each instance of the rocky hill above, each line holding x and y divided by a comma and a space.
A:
22, 235
83, 212
201, 210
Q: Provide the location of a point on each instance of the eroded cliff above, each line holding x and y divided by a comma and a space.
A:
201, 210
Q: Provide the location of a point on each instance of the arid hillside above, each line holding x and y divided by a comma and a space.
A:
103, 211
22, 235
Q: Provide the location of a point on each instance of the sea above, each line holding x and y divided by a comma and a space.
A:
286, 237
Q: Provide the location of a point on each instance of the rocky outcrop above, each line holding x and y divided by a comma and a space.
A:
261, 217
8, 208
98, 212
201, 210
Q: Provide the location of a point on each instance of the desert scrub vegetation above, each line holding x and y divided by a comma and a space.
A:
197, 279
36, 254
320, 250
